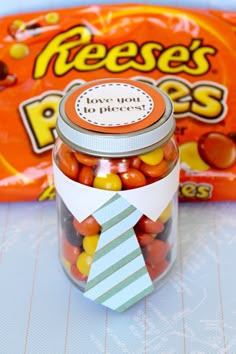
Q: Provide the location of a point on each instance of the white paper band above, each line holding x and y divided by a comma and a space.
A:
83, 201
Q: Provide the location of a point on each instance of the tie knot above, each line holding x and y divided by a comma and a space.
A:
116, 210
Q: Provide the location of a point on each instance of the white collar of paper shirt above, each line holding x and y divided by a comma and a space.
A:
83, 201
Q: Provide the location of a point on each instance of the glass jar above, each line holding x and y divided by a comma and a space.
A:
116, 174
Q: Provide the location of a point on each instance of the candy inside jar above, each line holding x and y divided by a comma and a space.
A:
116, 176
157, 239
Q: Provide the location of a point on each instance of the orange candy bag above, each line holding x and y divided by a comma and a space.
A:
190, 54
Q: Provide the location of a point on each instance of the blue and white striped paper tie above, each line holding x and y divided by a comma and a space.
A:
118, 276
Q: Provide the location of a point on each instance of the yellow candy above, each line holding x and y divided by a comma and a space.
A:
66, 263
19, 24
189, 155
153, 157
19, 51
84, 263
166, 214
90, 244
52, 18
111, 182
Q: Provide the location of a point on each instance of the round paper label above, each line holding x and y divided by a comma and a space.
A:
113, 104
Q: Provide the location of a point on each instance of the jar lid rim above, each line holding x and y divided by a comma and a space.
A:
110, 144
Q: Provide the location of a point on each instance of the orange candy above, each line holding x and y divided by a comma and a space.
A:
217, 150
170, 151
88, 226
135, 162
119, 165
156, 251
86, 176
148, 226
144, 238
105, 173
77, 274
70, 253
133, 178
67, 162
155, 171
86, 160
156, 270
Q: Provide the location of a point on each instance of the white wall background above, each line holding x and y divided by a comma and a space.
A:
19, 6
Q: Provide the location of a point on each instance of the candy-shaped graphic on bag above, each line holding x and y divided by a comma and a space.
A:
118, 276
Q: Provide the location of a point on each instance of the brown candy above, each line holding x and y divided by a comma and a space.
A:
3, 70
9, 80
217, 150
32, 26
232, 136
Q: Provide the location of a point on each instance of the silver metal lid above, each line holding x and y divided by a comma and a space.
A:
145, 113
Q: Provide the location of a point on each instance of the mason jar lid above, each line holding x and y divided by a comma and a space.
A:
115, 117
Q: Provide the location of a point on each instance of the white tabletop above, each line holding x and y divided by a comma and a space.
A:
42, 313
